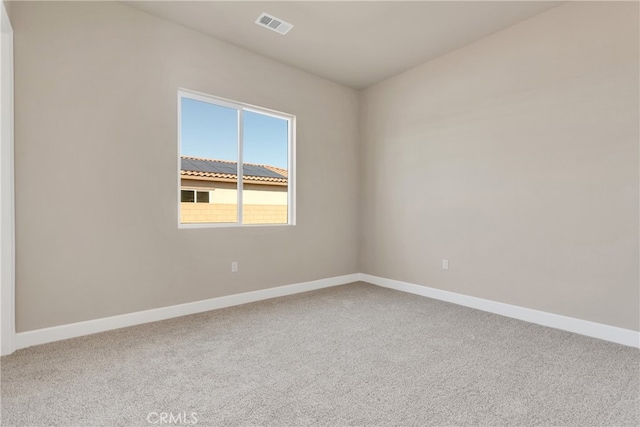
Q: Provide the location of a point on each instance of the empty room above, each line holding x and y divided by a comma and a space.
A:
320, 213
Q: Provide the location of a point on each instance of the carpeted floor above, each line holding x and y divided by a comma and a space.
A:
350, 355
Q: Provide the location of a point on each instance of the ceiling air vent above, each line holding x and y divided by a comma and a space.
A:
273, 23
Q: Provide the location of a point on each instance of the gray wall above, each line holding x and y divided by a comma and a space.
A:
96, 210
516, 158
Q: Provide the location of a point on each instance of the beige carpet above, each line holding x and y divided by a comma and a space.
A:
351, 355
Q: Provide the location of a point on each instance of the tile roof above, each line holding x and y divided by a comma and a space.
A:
225, 170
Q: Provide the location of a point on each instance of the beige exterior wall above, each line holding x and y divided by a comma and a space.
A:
263, 204
96, 92
193, 213
254, 194
515, 158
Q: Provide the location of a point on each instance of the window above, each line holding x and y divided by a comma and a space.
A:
194, 196
235, 163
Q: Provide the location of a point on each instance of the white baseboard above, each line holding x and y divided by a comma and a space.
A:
614, 334
584, 327
72, 330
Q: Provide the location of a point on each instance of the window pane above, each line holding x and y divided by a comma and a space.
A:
186, 196
209, 156
203, 197
265, 169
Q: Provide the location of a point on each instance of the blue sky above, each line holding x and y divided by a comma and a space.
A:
210, 131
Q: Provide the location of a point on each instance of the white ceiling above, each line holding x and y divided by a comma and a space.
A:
355, 43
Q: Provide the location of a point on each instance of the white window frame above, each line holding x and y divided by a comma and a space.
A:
241, 107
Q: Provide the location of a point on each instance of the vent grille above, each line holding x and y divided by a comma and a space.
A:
273, 23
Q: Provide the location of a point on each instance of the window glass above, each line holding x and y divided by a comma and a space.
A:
203, 196
186, 196
265, 165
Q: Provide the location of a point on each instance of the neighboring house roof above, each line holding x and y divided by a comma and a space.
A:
222, 170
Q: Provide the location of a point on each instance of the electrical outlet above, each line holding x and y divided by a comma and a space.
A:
445, 264
234, 267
